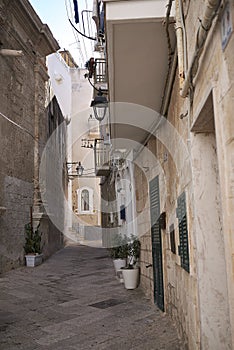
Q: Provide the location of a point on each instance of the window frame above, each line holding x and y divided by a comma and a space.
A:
79, 200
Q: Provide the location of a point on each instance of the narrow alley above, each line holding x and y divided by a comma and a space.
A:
74, 301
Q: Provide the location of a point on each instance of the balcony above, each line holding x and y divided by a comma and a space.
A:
138, 56
101, 158
100, 75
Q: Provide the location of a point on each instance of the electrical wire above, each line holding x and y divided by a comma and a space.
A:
99, 90
82, 59
77, 36
88, 37
92, 85
19, 126
85, 45
88, 22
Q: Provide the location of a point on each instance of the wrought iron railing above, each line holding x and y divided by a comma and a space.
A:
102, 158
100, 73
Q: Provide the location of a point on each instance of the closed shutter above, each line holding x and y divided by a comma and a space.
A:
156, 243
172, 239
154, 201
183, 231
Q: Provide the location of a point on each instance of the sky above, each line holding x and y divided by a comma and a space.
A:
54, 14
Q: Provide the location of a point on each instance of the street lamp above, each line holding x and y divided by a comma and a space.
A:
100, 105
79, 169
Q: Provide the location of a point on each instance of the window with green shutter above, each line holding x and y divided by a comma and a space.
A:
172, 239
183, 231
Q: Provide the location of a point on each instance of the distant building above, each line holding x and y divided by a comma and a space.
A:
66, 55
74, 94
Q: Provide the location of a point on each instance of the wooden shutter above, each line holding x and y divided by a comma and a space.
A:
172, 239
156, 243
183, 231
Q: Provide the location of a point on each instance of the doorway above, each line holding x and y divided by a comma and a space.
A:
211, 268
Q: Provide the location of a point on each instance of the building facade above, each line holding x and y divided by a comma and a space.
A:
24, 129
174, 113
74, 94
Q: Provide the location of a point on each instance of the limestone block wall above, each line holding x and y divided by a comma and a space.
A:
217, 67
143, 228
199, 163
108, 205
172, 165
146, 281
88, 219
213, 103
17, 146
23, 122
17, 200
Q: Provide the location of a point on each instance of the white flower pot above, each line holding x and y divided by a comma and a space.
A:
33, 260
119, 275
119, 263
131, 278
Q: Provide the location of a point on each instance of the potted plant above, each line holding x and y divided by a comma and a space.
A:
131, 271
32, 246
119, 251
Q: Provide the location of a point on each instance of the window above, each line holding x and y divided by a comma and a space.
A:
172, 239
183, 231
122, 212
85, 200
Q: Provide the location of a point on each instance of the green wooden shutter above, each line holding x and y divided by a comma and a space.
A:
183, 231
172, 239
156, 243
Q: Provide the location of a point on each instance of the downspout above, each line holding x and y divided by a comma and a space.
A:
211, 9
180, 43
172, 65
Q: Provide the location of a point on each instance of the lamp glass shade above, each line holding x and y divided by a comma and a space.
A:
100, 111
100, 105
79, 169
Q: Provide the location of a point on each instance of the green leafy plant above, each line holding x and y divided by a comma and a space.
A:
119, 249
134, 250
32, 240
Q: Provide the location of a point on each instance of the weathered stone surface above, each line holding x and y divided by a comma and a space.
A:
200, 302
23, 125
51, 307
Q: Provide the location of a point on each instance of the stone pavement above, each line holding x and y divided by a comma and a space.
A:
73, 301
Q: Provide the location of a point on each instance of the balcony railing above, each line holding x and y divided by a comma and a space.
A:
102, 158
100, 74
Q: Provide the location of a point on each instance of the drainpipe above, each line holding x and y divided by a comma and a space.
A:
202, 33
180, 46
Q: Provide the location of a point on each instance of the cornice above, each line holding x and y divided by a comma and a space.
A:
40, 35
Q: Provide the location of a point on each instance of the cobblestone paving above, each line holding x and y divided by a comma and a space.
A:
73, 301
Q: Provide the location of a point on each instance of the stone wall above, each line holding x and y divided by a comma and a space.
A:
180, 287
23, 122
197, 161
211, 157
17, 200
